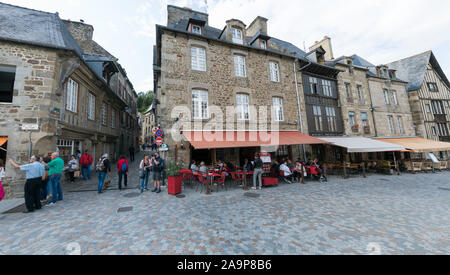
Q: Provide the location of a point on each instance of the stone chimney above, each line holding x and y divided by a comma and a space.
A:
175, 14
326, 45
259, 24
79, 30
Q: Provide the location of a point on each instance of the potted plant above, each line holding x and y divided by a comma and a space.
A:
173, 178
355, 127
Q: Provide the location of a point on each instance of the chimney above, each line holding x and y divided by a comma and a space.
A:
175, 14
326, 45
259, 24
79, 30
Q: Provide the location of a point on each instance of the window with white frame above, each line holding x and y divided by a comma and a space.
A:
352, 119
278, 108
200, 104
72, 95
237, 36
391, 124
394, 96
91, 106
331, 119
104, 113
113, 118
400, 125
365, 122
239, 66
198, 59
327, 88
196, 29
274, 72
386, 97
243, 107
263, 44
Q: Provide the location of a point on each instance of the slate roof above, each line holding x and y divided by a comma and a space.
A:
414, 68
34, 27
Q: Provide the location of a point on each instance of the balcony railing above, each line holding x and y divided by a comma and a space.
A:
444, 138
440, 118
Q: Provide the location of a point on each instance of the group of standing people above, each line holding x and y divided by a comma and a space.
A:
151, 166
42, 175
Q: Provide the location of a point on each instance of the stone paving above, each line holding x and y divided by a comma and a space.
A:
408, 214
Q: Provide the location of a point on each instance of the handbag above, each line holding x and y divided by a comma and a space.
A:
141, 173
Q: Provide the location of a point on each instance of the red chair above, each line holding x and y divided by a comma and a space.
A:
186, 177
237, 177
203, 182
221, 181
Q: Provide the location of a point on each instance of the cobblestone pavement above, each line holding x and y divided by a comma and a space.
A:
407, 214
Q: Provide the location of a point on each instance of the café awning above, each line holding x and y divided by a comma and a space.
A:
3, 140
418, 145
363, 145
236, 139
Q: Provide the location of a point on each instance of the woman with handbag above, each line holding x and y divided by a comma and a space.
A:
144, 173
73, 166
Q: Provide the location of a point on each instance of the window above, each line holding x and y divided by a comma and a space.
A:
348, 90
314, 85
428, 108
263, 44
198, 59
352, 119
72, 95
400, 125
443, 130
331, 119
327, 88
317, 110
364, 119
437, 108
386, 97
113, 118
433, 87
237, 36
104, 113
7, 78
239, 66
350, 65
243, 107
278, 108
391, 124
91, 106
274, 72
394, 96
200, 104
433, 131
196, 29
360, 94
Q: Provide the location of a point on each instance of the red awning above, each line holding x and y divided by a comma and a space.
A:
221, 140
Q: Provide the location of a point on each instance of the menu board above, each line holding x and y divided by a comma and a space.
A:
266, 158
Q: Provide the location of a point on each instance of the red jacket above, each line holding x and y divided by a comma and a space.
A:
86, 160
120, 163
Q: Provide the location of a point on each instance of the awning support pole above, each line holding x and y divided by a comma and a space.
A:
396, 164
364, 170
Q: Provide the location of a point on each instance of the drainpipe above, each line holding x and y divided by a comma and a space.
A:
298, 103
372, 109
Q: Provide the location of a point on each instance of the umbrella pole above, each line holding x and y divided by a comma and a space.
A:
396, 165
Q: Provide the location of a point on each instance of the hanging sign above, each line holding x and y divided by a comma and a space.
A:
159, 133
159, 141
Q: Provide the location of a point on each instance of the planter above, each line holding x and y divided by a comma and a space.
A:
174, 185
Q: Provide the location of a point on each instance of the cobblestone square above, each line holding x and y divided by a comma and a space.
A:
408, 214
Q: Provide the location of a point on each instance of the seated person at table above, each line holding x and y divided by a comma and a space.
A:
225, 169
203, 169
297, 174
220, 164
287, 172
290, 164
194, 167
248, 166
319, 168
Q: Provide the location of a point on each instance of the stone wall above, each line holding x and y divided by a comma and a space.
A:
178, 80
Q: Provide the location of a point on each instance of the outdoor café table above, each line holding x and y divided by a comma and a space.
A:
211, 175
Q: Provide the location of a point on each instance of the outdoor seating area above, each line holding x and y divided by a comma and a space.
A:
426, 166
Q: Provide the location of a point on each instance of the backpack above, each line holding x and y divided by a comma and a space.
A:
100, 167
124, 167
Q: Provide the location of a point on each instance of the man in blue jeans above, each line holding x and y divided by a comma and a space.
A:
102, 169
56, 169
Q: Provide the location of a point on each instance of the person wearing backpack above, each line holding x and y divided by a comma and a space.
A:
86, 162
103, 167
122, 168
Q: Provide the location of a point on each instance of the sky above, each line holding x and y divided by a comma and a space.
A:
380, 31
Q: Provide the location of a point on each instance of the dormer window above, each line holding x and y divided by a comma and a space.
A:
196, 29
237, 36
350, 66
263, 44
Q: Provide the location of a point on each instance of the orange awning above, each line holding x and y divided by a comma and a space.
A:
233, 139
3, 140
419, 145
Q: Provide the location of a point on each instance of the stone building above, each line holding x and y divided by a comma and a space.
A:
53, 92
208, 70
148, 125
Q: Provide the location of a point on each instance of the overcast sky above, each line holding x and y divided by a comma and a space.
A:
379, 30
